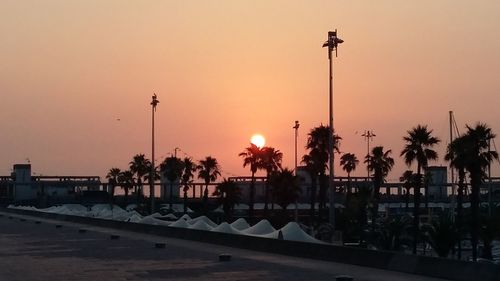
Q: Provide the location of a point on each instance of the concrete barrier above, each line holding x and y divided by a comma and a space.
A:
420, 265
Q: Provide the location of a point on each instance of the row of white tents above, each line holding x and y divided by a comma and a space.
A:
263, 228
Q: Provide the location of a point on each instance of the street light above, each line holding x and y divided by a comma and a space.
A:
369, 135
154, 103
296, 127
332, 44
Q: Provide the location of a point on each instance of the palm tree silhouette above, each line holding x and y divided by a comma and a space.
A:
271, 162
456, 155
408, 180
314, 163
140, 167
418, 147
172, 168
380, 163
112, 177
478, 158
229, 194
349, 161
317, 143
187, 178
286, 187
128, 181
252, 157
208, 170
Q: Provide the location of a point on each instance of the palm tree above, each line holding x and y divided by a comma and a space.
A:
441, 234
187, 178
271, 162
478, 158
418, 147
317, 143
408, 180
380, 163
314, 164
112, 177
252, 157
128, 181
208, 170
172, 168
286, 187
229, 194
456, 155
349, 161
140, 167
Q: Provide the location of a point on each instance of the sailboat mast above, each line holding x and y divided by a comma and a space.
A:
452, 171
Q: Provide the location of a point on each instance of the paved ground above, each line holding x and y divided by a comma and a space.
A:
40, 251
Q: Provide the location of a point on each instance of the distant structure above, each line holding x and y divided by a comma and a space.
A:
437, 177
21, 186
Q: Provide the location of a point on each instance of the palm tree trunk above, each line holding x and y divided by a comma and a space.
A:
185, 200
252, 197
170, 196
474, 207
205, 200
416, 209
460, 199
313, 199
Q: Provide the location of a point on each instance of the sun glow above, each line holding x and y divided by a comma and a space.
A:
258, 140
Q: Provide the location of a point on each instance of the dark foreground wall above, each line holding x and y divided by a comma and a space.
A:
428, 266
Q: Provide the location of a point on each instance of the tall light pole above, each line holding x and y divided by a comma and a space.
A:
332, 44
296, 127
154, 103
368, 136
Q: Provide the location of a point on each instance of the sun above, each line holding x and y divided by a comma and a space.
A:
258, 140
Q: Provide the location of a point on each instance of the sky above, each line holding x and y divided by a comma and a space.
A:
76, 77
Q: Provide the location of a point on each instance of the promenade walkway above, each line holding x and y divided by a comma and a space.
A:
40, 252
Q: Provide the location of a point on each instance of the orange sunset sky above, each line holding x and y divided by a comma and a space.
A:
224, 70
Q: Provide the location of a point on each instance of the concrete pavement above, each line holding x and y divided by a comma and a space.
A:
40, 251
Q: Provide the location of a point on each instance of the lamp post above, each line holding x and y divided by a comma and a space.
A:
368, 136
332, 44
154, 103
296, 127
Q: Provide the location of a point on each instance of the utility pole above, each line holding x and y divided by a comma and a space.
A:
332, 44
154, 103
368, 135
296, 127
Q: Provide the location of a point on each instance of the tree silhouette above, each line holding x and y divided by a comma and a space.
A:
127, 180
228, 194
418, 148
478, 158
208, 170
187, 178
172, 168
286, 189
271, 162
140, 167
112, 177
380, 163
252, 157
317, 144
349, 161
456, 155
408, 180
